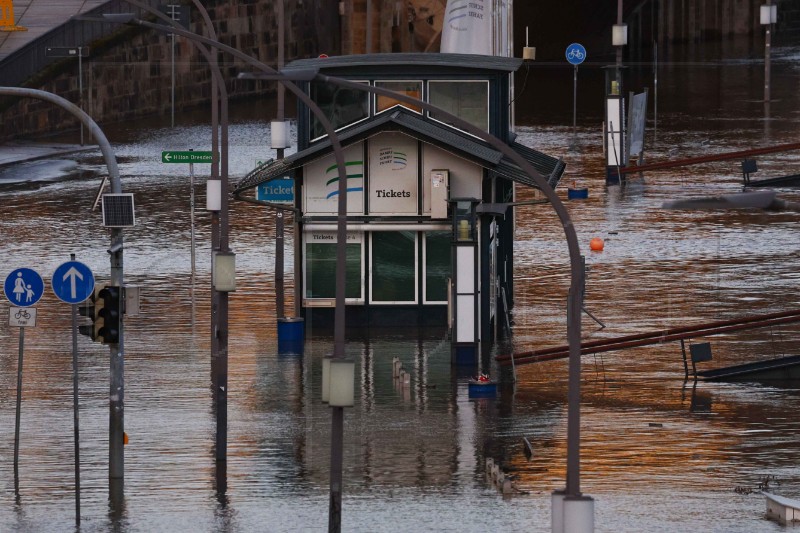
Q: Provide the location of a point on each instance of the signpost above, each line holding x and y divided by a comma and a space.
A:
72, 51
23, 288
73, 283
575, 54
191, 157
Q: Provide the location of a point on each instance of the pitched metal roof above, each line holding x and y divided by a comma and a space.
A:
549, 167
464, 61
431, 131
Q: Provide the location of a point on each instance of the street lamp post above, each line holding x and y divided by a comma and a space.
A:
116, 454
769, 16
219, 215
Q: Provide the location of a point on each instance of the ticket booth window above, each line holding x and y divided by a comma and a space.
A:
394, 273
468, 100
437, 266
321, 270
342, 106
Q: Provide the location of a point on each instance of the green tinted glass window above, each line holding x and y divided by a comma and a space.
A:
437, 265
321, 270
342, 106
468, 100
394, 266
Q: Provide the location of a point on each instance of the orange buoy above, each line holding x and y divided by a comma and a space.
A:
124, 438
596, 244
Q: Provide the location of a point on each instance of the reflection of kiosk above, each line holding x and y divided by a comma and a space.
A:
614, 124
417, 239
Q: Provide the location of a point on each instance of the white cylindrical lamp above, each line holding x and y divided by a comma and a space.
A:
214, 195
224, 271
279, 134
619, 34
769, 14
342, 383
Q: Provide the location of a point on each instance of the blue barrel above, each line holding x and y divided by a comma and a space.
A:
577, 194
486, 389
291, 334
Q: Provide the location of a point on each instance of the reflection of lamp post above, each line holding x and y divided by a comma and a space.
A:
769, 16
619, 38
217, 204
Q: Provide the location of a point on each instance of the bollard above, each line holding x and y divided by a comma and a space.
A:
406, 379
395, 369
507, 488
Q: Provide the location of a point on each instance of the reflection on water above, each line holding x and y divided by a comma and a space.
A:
657, 453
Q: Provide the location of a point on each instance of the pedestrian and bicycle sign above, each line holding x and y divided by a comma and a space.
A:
576, 54
23, 287
189, 156
73, 282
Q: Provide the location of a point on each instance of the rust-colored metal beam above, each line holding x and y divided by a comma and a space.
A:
654, 337
711, 157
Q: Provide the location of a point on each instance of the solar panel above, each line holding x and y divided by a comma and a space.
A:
118, 210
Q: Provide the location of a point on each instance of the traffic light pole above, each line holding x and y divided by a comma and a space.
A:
116, 398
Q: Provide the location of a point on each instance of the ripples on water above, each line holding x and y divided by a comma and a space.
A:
658, 454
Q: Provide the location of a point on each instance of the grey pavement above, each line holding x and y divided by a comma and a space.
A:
39, 17
12, 153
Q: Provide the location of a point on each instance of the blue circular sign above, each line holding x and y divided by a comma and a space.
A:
23, 287
576, 53
73, 282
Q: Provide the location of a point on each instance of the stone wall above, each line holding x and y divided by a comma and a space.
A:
130, 73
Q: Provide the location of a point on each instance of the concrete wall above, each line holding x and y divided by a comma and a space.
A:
130, 74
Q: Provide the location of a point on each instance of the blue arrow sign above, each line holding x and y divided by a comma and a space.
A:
73, 282
576, 53
23, 287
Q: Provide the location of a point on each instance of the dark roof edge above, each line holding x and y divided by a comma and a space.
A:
507, 64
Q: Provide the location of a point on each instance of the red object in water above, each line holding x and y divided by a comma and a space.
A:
596, 244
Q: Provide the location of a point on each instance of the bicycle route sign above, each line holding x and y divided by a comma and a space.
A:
23, 287
576, 54
73, 282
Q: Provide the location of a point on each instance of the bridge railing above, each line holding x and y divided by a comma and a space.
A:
22, 64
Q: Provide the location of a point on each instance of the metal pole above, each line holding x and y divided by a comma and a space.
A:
574, 105
172, 63
279, 222
19, 409
191, 208
116, 418
655, 91
767, 54
80, 84
279, 246
76, 431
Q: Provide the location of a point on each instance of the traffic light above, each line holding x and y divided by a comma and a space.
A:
103, 307
108, 315
89, 309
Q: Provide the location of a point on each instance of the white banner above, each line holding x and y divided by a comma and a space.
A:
467, 27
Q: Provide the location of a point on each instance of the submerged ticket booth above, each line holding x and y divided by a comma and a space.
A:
429, 229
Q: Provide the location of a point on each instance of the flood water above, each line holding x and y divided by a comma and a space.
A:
658, 453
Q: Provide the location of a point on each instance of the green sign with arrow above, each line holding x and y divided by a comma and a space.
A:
186, 157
